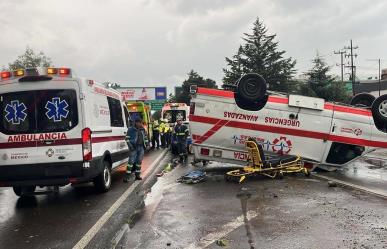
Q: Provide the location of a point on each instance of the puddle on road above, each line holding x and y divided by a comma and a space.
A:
244, 195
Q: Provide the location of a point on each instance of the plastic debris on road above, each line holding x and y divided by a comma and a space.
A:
221, 243
192, 177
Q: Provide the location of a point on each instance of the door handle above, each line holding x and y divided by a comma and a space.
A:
333, 128
48, 142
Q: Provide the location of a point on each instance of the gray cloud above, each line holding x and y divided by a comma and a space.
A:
156, 42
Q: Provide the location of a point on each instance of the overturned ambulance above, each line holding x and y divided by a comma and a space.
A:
322, 133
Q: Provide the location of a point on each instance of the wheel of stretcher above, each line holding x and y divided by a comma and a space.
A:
379, 109
363, 99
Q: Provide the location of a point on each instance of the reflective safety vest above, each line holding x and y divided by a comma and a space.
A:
181, 132
162, 127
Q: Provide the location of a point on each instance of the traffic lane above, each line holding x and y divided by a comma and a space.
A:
57, 220
368, 172
296, 212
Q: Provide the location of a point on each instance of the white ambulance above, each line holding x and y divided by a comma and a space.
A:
57, 129
323, 133
174, 111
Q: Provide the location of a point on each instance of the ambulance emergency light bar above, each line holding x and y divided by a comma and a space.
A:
50, 71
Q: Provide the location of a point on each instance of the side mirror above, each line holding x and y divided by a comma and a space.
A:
193, 89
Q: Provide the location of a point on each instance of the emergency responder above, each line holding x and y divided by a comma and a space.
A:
156, 135
162, 134
137, 141
167, 134
181, 134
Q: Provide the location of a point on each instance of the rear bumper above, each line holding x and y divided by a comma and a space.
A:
49, 174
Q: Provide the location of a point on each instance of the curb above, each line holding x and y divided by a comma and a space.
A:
374, 192
105, 232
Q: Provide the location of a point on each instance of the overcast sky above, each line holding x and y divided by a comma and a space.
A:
156, 42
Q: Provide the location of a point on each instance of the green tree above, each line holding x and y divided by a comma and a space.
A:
193, 79
260, 54
30, 59
322, 84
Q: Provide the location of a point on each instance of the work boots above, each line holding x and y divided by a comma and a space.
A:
138, 177
127, 177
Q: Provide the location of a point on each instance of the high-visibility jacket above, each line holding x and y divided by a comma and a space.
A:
162, 127
167, 128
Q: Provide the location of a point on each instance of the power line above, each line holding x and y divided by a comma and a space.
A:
341, 53
353, 68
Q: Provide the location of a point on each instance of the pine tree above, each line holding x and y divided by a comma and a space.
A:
194, 79
259, 54
323, 85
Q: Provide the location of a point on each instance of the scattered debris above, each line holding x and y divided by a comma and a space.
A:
221, 242
192, 177
332, 184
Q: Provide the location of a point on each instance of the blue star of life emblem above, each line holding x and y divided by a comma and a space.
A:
15, 112
57, 109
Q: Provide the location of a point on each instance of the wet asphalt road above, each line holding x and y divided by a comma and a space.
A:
369, 172
57, 221
296, 212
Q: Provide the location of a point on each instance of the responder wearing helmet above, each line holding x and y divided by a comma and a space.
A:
181, 134
137, 140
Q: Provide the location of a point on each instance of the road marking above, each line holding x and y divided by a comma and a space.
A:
85, 240
223, 231
381, 194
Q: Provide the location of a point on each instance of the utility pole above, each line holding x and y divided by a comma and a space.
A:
341, 53
351, 55
378, 60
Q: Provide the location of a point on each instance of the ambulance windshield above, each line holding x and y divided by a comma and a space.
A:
40, 111
173, 115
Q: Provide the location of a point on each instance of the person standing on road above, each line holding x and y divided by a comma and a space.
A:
167, 134
137, 141
162, 134
181, 134
156, 135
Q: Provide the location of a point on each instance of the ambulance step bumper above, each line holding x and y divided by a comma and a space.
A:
48, 174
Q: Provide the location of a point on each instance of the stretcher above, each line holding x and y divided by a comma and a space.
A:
259, 164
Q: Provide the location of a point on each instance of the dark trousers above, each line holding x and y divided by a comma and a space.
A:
156, 139
167, 139
162, 138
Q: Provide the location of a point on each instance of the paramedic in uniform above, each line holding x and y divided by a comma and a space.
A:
137, 140
181, 133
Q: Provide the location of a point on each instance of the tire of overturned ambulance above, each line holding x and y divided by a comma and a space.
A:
362, 99
24, 191
251, 87
379, 109
104, 180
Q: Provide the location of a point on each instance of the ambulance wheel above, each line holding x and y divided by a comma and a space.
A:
379, 109
362, 99
251, 105
24, 191
104, 180
251, 87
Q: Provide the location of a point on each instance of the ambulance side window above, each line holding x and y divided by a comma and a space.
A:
342, 153
116, 118
126, 113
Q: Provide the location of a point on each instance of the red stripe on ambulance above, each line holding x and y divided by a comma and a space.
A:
280, 130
